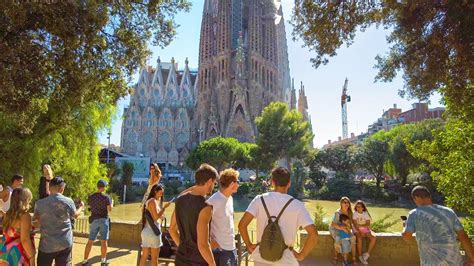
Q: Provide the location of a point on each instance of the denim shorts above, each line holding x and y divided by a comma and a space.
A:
101, 227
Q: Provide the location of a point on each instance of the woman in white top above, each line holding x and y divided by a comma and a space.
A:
150, 241
155, 177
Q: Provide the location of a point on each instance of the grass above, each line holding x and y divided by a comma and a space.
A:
131, 212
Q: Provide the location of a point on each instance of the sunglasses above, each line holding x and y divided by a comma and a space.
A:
237, 181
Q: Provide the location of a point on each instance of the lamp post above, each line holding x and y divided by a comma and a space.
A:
108, 146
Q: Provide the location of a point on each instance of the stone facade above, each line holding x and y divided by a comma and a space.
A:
157, 123
243, 66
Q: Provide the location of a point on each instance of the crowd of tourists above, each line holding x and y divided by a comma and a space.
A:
202, 227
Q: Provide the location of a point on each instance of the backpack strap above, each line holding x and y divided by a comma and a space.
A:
284, 207
281, 212
265, 207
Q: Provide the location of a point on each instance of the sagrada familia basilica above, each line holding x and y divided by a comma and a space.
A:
243, 66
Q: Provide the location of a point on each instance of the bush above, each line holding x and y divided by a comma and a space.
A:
116, 198
244, 189
337, 188
319, 222
383, 224
172, 187
468, 224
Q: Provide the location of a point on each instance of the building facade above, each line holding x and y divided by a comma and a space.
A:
243, 66
157, 123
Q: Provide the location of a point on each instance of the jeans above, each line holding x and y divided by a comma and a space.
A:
225, 257
101, 227
61, 258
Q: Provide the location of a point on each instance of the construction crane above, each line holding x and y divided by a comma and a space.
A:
344, 100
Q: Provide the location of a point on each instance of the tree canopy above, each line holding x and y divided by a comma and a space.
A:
283, 133
64, 65
431, 42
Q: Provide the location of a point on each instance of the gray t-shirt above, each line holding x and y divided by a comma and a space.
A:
435, 227
55, 213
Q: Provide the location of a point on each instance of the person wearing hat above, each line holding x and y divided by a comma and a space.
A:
54, 214
100, 205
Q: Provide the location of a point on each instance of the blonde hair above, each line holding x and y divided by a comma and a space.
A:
228, 176
349, 209
20, 204
50, 171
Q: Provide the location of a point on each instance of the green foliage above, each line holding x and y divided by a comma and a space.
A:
427, 39
63, 68
315, 164
468, 224
451, 154
244, 189
59, 57
319, 214
219, 152
127, 173
282, 133
371, 156
383, 224
298, 180
338, 158
339, 187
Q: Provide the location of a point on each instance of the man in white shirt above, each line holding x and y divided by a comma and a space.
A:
5, 193
222, 224
294, 216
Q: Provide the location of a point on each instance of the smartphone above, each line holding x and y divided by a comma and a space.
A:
403, 217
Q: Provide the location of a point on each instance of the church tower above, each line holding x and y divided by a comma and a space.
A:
243, 66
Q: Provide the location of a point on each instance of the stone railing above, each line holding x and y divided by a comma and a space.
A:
388, 246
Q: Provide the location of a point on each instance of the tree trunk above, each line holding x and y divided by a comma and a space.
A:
378, 180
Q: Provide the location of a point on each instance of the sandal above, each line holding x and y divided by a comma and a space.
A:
354, 261
334, 260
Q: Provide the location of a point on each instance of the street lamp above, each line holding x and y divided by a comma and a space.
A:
108, 146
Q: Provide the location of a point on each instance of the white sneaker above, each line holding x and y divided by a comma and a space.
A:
366, 256
361, 258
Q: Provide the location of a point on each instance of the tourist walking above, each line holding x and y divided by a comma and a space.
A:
100, 205
222, 223
44, 181
191, 219
151, 231
361, 221
289, 215
345, 208
5, 193
54, 214
17, 246
437, 229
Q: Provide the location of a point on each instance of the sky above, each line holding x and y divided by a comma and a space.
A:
323, 86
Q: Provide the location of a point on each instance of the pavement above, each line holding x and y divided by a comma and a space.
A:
126, 255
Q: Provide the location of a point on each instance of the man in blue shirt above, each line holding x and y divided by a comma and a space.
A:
54, 214
437, 229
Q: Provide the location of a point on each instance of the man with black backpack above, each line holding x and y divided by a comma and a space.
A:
278, 218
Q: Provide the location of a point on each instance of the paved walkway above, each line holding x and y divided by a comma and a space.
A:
119, 255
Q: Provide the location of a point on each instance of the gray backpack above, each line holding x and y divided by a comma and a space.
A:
273, 244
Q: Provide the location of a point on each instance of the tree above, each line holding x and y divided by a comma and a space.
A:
127, 173
339, 159
63, 67
57, 57
451, 154
315, 165
219, 152
371, 156
429, 40
259, 161
283, 133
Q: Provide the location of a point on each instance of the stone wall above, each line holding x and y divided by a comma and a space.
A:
388, 246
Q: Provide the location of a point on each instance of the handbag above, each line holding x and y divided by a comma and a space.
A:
149, 220
166, 250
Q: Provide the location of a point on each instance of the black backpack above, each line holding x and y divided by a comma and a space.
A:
272, 244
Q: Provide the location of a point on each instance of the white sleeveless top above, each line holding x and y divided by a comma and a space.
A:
6, 204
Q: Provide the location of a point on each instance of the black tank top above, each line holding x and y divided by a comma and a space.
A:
187, 209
